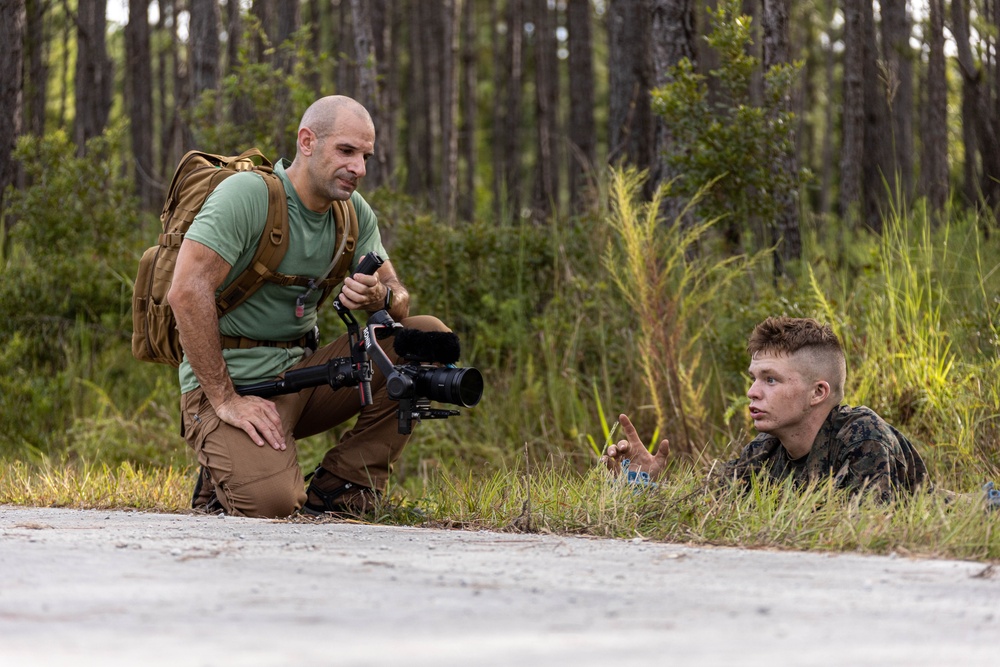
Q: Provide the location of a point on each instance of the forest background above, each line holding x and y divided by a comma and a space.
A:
601, 197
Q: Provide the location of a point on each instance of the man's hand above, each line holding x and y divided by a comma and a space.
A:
363, 292
640, 460
257, 416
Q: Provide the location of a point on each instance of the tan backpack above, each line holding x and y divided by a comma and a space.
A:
154, 334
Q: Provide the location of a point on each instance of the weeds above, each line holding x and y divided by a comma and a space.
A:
568, 337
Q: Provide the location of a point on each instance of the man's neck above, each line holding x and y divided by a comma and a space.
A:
798, 439
297, 177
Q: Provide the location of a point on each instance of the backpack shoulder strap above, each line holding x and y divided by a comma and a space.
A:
270, 251
347, 219
346, 223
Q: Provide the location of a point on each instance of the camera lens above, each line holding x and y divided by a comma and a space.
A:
458, 386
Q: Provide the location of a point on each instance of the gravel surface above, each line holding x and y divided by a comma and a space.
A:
85, 587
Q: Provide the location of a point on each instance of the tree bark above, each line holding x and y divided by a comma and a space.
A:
385, 30
546, 111
204, 48
509, 99
582, 129
898, 57
368, 87
776, 52
631, 132
876, 160
347, 70
12, 22
447, 206
139, 98
287, 23
241, 110
673, 40
978, 105
467, 127
180, 139
827, 160
263, 11
418, 100
161, 107
853, 120
36, 67
93, 73
934, 165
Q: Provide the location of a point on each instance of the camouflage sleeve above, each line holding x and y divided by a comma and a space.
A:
760, 451
869, 467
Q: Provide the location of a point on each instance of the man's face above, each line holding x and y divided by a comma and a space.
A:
338, 161
779, 394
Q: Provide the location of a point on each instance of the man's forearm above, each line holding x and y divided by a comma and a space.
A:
198, 324
400, 308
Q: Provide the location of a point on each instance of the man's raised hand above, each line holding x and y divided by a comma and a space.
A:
631, 448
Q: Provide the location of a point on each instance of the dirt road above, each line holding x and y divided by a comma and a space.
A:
127, 588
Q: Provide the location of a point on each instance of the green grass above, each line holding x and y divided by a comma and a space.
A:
685, 509
571, 324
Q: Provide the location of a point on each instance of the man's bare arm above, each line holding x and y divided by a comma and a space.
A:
199, 272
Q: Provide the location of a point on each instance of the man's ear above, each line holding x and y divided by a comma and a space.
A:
820, 392
307, 141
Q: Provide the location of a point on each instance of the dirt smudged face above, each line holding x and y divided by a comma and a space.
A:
779, 394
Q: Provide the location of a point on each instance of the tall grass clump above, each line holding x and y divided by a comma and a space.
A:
535, 313
671, 288
909, 358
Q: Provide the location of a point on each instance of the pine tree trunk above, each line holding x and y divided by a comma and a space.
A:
546, 111
876, 164
240, 111
673, 40
12, 21
826, 163
139, 98
853, 120
582, 129
976, 109
36, 67
467, 127
508, 140
631, 131
934, 165
204, 48
776, 52
418, 100
450, 10
93, 73
898, 57
286, 23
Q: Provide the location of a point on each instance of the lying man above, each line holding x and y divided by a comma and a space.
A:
798, 372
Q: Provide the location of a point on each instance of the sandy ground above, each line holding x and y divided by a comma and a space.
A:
131, 588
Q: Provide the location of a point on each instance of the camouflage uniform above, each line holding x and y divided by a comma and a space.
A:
855, 446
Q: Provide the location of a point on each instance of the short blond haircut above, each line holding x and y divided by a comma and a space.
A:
816, 344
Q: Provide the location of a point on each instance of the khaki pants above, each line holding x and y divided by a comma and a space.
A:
262, 482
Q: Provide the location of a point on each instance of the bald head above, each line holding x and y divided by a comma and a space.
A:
324, 115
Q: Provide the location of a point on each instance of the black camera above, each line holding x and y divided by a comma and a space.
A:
428, 374
421, 380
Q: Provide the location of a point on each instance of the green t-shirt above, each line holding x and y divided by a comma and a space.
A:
231, 223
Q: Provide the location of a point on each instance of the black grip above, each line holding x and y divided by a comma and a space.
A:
369, 264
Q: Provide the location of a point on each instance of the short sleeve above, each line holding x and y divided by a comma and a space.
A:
233, 217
